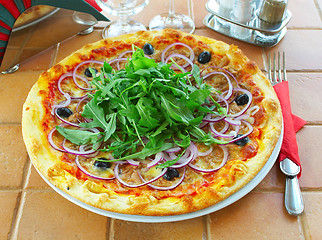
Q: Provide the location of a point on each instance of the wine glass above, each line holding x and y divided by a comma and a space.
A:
122, 9
172, 20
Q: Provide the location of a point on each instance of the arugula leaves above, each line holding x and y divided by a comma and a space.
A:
144, 109
78, 137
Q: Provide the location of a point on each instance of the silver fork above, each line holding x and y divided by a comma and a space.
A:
293, 198
275, 76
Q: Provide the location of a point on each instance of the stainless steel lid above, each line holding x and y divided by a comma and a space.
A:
272, 11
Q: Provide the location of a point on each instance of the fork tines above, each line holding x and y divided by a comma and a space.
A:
275, 75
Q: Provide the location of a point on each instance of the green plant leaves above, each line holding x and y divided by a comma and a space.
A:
78, 137
144, 109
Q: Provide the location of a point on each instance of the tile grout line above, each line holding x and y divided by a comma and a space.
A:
24, 43
110, 235
10, 124
304, 227
15, 214
318, 8
300, 228
16, 221
208, 230
264, 59
19, 198
54, 56
304, 28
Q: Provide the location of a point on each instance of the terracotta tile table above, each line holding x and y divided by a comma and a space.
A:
30, 209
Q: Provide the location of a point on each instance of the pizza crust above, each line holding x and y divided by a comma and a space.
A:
32, 14
229, 179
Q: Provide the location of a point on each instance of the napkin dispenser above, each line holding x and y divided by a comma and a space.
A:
259, 22
20, 42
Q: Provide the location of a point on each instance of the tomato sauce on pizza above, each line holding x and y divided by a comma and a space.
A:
152, 123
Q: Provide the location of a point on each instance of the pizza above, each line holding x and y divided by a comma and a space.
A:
32, 14
152, 123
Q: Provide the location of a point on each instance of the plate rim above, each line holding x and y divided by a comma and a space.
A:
42, 18
174, 218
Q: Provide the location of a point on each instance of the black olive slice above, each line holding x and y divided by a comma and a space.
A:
170, 174
88, 73
148, 49
241, 142
204, 57
242, 99
64, 112
102, 165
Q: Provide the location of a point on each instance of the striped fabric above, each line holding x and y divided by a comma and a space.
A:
10, 10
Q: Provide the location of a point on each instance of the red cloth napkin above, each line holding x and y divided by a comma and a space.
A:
292, 124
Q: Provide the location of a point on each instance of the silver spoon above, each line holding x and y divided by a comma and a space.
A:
293, 198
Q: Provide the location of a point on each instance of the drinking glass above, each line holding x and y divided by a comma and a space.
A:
173, 20
122, 9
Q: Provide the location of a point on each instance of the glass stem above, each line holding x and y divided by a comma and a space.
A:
171, 8
124, 20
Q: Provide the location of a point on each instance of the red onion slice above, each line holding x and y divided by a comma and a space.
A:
62, 77
205, 153
81, 100
253, 110
75, 75
220, 133
173, 150
166, 157
64, 103
51, 141
209, 118
65, 121
86, 62
192, 54
242, 117
169, 187
124, 53
250, 130
117, 61
158, 157
189, 62
84, 148
90, 174
223, 162
223, 100
190, 154
77, 152
172, 156
230, 86
118, 177
235, 122
241, 112
133, 162
222, 69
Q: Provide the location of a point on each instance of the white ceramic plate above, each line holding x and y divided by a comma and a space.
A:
42, 18
138, 218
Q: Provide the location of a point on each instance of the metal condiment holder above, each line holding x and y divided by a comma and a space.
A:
255, 31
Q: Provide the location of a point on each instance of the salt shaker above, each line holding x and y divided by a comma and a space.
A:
272, 11
225, 8
243, 13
